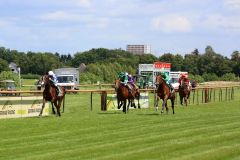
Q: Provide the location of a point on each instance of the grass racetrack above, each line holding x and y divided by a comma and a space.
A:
200, 132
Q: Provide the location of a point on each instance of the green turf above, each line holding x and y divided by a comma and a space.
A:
205, 131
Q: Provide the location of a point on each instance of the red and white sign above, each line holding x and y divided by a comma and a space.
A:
162, 65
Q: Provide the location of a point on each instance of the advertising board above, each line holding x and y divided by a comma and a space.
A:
16, 107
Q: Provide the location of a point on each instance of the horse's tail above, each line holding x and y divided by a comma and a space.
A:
64, 93
63, 102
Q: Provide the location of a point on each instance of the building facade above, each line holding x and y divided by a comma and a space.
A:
139, 49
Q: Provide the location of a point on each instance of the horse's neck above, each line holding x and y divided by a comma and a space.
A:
162, 88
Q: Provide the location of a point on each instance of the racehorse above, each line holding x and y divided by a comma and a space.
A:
123, 95
50, 94
184, 92
164, 93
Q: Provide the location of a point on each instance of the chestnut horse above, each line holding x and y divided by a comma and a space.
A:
184, 92
164, 93
50, 94
123, 95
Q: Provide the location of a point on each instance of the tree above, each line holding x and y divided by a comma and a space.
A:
191, 63
175, 60
235, 56
9, 75
3, 65
235, 59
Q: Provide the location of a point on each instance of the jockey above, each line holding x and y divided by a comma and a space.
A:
53, 78
124, 78
183, 79
166, 77
131, 81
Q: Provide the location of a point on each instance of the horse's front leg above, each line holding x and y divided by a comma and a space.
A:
185, 100
164, 104
129, 103
43, 105
156, 105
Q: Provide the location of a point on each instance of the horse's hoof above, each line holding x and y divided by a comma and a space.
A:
162, 112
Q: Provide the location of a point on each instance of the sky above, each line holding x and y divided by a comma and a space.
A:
169, 26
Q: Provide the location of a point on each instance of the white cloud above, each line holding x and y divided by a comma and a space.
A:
171, 23
3, 23
60, 16
228, 23
232, 4
87, 19
83, 3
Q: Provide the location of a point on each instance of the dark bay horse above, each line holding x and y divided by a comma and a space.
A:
50, 94
164, 93
184, 92
123, 95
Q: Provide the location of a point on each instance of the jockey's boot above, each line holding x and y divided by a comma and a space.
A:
129, 88
59, 91
171, 88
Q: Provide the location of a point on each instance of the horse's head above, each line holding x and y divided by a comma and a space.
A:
159, 80
117, 84
45, 81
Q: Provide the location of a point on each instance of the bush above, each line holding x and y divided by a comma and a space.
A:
30, 76
196, 78
210, 77
228, 77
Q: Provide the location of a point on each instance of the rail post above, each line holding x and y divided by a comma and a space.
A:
103, 100
206, 95
91, 100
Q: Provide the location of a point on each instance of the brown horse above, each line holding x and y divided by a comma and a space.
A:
123, 95
184, 92
164, 93
50, 94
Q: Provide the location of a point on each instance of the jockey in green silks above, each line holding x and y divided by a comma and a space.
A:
166, 77
123, 76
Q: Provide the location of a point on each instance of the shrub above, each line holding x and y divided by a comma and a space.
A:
228, 77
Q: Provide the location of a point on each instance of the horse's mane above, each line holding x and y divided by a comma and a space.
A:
164, 82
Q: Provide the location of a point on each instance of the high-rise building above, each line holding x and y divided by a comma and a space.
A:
139, 49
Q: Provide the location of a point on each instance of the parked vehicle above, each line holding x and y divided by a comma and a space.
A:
7, 85
68, 77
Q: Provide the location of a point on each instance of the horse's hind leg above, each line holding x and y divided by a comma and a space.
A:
53, 110
138, 102
58, 108
163, 105
124, 106
172, 101
133, 103
166, 107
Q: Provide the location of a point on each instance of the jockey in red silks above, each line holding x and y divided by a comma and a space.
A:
183, 79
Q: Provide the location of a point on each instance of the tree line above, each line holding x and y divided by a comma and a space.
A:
103, 64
